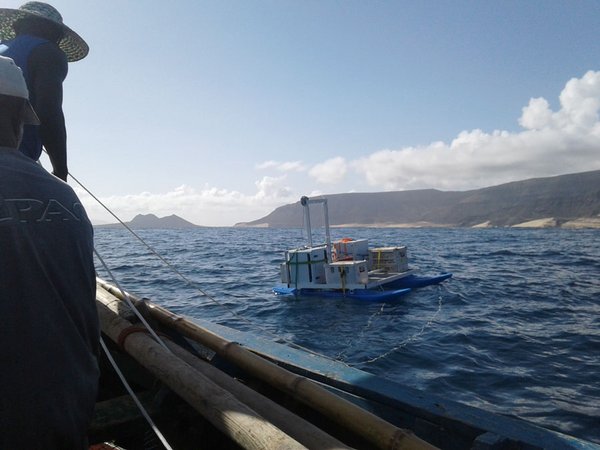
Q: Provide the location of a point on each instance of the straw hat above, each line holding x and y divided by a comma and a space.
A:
72, 44
13, 84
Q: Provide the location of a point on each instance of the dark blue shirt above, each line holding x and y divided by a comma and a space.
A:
48, 321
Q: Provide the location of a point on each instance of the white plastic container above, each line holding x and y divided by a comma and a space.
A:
304, 267
344, 273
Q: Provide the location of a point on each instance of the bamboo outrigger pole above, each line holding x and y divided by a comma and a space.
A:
219, 407
301, 430
376, 430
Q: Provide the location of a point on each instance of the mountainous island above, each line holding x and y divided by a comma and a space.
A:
150, 221
568, 201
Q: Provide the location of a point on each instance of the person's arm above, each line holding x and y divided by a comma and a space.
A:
48, 69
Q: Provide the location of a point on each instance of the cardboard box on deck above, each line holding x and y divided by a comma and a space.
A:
388, 259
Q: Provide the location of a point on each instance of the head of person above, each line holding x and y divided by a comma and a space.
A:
15, 109
42, 20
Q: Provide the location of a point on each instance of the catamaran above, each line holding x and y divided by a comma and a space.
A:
348, 267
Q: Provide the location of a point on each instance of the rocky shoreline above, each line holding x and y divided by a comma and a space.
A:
550, 222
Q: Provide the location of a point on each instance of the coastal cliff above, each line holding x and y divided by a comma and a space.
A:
569, 201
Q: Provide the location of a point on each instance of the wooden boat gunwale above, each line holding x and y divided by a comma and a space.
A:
439, 421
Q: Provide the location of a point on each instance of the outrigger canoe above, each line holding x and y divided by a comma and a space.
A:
205, 385
348, 268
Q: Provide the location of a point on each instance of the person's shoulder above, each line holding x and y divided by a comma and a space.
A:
18, 171
48, 53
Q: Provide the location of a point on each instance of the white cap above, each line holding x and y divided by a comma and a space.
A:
13, 84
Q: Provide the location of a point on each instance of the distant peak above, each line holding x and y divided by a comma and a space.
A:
167, 222
145, 216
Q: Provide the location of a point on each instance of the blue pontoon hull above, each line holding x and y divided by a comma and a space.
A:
356, 294
414, 281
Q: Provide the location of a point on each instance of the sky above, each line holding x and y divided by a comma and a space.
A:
221, 111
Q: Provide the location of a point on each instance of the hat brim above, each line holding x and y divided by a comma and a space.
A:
72, 44
30, 117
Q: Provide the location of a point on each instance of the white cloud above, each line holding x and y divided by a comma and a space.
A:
331, 171
536, 115
271, 188
551, 143
287, 166
267, 164
209, 206
579, 101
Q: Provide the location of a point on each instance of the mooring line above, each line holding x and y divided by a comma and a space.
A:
351, 343
410, 339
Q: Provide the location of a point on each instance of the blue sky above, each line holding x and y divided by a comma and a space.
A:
220, 111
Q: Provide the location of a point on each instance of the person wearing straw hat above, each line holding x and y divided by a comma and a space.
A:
36, 38
50, 332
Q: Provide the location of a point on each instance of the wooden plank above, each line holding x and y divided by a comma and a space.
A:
120, 419
119, 411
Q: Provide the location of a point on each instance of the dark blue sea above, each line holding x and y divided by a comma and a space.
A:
515, 331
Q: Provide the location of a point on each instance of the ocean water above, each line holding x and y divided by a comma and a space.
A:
516, 331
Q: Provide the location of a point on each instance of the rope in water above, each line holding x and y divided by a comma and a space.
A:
410, 339
353, 342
